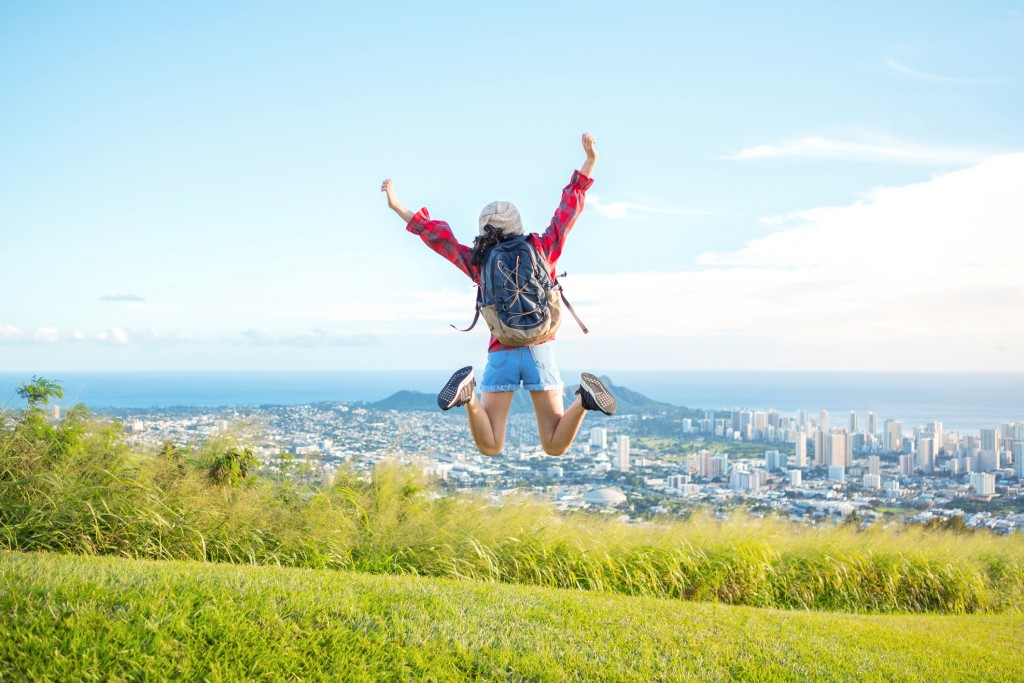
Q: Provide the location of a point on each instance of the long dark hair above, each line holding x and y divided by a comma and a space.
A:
490, 237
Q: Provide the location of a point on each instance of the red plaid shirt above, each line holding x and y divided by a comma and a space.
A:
438, 236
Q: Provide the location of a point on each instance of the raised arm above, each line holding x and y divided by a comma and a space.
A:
393, 203
569, 208
437, 235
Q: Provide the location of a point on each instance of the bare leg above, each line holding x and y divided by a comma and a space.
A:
488, 417
557, 429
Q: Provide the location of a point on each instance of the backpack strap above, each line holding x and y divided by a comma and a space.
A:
569, 306
476, 316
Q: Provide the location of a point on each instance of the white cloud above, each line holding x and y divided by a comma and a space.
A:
47, 334
10, 333
115, 335
933, 268
935, 78
629, 209
869, 149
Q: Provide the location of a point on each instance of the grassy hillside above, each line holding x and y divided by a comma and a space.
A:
88, 618
75, 487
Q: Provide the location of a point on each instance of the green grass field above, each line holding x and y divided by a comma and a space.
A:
74, 618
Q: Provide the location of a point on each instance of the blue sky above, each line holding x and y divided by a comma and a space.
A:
798, 186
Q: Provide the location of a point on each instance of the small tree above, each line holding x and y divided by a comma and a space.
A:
39, 391
232, 466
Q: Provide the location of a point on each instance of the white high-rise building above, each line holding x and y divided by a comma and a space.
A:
838, 449
760, 422
936, 429
823, 420
821, 448
984, 483
677, 481
853, 421
871, 481
1018, 459
990, 439
774, 460
742, 479
796, 477
800, 450
622, 453
906, 465
874, 465
599, 437
926, 455
988, 460
872, 423
893, 438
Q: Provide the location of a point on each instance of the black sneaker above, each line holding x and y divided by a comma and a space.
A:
459, 389
595, 394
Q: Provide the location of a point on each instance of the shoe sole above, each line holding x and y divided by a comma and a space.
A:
597, 390
450, 393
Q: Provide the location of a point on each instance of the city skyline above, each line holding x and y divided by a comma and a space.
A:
196, 187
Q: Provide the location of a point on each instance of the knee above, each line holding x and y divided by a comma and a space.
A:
490, 451
550, 449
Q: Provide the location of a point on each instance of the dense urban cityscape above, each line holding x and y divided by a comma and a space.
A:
803, 466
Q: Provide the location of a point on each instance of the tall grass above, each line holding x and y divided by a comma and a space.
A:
77, 489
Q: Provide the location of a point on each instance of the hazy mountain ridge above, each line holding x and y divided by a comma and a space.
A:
629, 402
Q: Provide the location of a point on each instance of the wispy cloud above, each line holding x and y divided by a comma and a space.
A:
631, 209
876, 150
936, 78
121, 298
318, 337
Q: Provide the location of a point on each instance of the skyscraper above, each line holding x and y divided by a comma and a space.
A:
926, 454
838, 449
599, 437
874, 464
800, 450
990, 439
821, 448
906, 465
936, 429
853, 421
872, 423
893, 438
622, 453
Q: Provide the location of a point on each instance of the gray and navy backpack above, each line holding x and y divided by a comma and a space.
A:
516, 295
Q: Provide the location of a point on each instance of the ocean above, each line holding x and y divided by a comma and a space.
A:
961, 401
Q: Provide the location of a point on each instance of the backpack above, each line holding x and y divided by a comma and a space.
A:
517, 296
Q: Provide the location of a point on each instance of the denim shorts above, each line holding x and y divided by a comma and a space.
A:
533, 366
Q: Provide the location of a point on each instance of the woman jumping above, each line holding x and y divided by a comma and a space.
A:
508, 366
